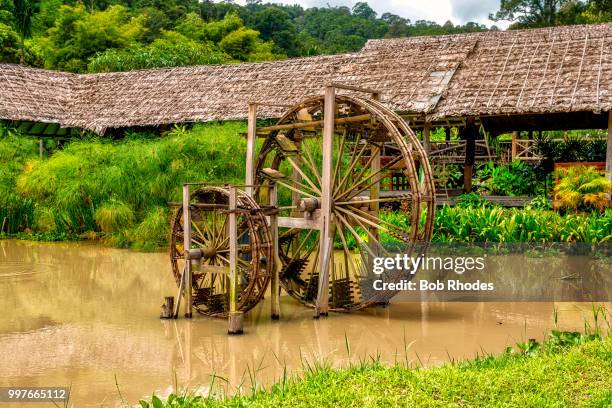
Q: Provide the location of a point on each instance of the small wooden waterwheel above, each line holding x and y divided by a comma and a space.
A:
371, 146
209, 235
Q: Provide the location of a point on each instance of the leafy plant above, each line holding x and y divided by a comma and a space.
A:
582, 188
514, 179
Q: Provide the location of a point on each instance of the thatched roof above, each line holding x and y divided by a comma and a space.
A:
551, 70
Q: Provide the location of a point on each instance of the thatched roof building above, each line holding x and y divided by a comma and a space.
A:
561, 72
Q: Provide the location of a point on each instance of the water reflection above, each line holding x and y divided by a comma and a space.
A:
82, 315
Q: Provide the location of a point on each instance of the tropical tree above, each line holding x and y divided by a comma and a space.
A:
23, 12
538, 13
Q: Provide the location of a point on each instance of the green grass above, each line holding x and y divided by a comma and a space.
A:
569, 370
116, 190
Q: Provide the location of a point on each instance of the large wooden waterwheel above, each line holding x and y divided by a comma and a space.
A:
209, 210
370, 146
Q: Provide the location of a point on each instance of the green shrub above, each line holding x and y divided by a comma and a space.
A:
514, 179
582, 188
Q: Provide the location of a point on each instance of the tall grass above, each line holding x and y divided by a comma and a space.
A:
16, 212
121, 190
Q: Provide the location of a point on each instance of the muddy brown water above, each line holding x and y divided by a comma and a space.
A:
86, 316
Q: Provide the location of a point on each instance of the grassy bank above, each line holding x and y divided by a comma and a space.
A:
119, 192
568, 370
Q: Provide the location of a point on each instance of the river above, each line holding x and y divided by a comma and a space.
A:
87, 316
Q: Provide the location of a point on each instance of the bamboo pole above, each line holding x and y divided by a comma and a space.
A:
515, 136
235, 316
322, 303
609, 148
250, 151
187, 247
275, 262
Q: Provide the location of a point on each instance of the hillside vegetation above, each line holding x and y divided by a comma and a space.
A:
120, 35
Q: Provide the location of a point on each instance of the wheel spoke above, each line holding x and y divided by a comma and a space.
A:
304, 176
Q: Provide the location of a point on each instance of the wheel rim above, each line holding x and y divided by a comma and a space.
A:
299, 187
209, 219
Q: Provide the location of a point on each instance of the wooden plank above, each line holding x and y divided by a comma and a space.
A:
303, 223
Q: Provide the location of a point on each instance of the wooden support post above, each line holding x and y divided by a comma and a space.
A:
447, 135
426, 141
187, 246
167, 309
515, 136
235, 316
326, 253
470, 132
250, 148
41, 149
609, 148
275, 262
374, 193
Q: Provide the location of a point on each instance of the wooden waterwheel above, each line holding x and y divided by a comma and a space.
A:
331, 208
209, 212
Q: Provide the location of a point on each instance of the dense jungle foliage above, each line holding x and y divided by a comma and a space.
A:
120, 35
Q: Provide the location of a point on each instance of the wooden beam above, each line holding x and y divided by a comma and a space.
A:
235, 316
250, 151
187, 247
275, 264
515, 136
609, 148
326, 253
299, 125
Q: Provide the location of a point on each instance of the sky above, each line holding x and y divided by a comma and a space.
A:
440, 11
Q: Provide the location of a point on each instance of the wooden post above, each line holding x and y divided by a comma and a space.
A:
326, 253
515, 136
167, 309
470, 132
250, 148
609, 148
40, 147
187, 247
374, 192
447, 136
235, 316
275, 262
426, 141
